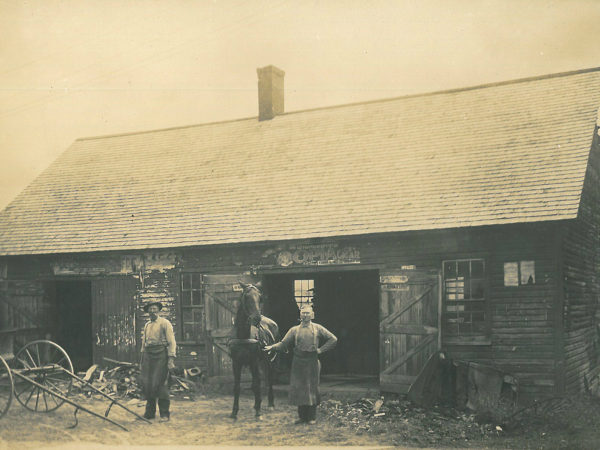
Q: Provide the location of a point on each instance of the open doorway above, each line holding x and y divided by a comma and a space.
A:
74, 327
345, 302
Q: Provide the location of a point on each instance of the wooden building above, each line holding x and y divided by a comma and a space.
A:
466, 220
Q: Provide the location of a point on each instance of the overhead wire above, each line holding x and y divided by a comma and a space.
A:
170, 52
74, 45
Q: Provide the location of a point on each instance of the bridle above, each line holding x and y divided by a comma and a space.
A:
243, 303
264, 330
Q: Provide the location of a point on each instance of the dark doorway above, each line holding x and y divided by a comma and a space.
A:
346, 303
74, 306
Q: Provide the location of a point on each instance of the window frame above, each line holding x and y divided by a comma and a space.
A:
310, 297
472, 338
519, 262
199, 329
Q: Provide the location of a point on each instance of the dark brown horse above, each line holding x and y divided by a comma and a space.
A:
252, 332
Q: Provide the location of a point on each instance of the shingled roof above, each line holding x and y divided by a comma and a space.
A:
495, 154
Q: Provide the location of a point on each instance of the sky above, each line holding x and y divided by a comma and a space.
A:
81, 68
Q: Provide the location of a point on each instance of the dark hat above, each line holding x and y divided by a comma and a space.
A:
148, 305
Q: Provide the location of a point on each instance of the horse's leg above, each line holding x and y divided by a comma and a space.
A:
270, 375
254, 368
237, 376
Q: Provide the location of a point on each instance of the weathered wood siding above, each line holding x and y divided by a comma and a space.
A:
30, 282
580, 266
523, 321
26, 311
24, 317
113, 318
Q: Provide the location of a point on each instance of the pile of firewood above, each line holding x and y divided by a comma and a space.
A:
122, 379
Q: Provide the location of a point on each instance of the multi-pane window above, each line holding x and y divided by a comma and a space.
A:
464, 308
191, 306
304, 292
519, 273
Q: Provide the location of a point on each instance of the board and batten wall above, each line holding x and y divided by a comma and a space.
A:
525, 322
580, 267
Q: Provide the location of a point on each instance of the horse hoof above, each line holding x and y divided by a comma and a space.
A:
271, 408
233, 416
259, 417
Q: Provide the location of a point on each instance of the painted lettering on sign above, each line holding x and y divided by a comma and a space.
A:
395, 287
388, 279
317, 255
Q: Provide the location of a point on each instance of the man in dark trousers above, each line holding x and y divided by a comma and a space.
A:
306, 367
158, 358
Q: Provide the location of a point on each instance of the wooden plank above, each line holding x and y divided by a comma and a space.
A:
394, 388
398, 379
389, 319
466, 340
402, 360
220, 302
526, 331
221, 333
221, 347
408, 328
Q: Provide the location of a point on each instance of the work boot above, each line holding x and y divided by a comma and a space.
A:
163, 407
150, 412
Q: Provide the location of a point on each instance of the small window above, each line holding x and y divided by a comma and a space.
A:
304, 292
192, 307
464, 308
519, 273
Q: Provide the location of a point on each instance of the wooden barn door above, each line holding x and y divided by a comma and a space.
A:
221, 297
113, 319
409, 313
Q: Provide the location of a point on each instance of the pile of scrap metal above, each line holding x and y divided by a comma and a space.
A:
119, 378
465, 385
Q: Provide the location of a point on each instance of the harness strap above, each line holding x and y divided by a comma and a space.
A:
264, 342
243, 341
315, 336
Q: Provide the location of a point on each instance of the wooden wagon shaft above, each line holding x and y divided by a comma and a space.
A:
65, 399
43, 369
113, 401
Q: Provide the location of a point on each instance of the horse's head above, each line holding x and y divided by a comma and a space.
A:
250, 302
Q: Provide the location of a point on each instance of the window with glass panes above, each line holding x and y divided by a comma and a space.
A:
464, 308
191, 306
304, 292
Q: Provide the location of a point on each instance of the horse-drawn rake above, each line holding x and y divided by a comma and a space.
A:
40, 376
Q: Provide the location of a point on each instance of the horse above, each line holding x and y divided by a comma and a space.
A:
252, 332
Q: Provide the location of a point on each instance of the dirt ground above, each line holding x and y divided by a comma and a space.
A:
204, 421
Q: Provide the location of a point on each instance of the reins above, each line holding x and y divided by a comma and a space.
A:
263, 331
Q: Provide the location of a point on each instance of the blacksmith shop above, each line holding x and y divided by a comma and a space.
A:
463, 221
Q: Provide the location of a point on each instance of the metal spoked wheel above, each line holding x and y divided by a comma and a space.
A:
45, 363
6, 387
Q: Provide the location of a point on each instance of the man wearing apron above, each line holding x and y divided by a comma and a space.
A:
306, 367
158, 358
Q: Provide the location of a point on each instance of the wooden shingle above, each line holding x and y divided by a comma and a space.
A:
504, 153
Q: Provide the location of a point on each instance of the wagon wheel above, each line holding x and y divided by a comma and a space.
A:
43, 362
6, 387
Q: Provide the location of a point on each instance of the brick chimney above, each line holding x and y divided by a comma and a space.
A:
270, 92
